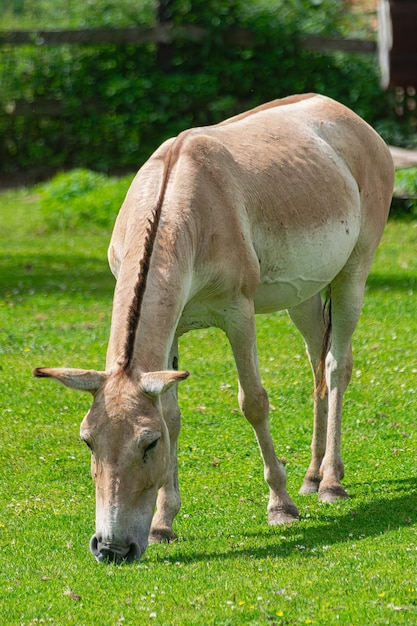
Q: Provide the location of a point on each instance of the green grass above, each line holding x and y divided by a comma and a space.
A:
350, 563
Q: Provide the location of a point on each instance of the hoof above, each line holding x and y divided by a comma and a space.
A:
332, 494
284, 515
162, 535
309, 486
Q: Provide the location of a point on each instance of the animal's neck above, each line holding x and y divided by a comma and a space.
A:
162, 305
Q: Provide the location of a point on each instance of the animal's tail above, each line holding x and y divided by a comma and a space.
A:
321, 369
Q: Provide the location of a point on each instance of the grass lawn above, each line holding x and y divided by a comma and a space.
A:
353, 563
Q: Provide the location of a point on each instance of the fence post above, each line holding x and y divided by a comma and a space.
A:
165, 50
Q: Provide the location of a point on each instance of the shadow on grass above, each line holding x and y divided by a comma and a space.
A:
397, 281
369, 519
55, 273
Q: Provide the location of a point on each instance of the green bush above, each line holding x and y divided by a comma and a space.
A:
81, 198
17, 14
118, 104
405, 193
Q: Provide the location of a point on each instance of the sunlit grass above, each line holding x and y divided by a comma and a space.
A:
351, 563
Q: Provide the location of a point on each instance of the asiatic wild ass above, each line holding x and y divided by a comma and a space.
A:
256, 214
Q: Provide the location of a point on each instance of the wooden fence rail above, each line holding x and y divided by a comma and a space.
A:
165, 34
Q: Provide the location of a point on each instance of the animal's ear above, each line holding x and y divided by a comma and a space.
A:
155, 383
84, 380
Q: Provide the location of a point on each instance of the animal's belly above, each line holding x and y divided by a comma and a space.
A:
284, 294
295, 268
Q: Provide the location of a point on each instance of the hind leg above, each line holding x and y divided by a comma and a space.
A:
347, 297
311, 320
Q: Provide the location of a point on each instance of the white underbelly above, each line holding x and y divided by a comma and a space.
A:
284, 294
294, 269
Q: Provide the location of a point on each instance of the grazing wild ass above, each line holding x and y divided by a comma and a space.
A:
257, 214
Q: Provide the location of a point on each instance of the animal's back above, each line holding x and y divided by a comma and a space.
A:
292, 132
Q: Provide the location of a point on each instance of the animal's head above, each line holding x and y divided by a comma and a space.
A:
129, 442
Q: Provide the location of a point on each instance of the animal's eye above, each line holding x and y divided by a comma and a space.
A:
88, 444
150, 447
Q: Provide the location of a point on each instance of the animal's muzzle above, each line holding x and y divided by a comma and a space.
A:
109, 553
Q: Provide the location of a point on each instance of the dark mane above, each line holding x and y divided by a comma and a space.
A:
139, 291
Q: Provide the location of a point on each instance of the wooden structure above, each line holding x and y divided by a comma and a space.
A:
397, 43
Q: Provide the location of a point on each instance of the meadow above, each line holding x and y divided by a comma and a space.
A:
352, 563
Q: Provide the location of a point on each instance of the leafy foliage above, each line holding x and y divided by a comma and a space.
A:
405, 193
81, 198
61, 13
118, 103
406, 181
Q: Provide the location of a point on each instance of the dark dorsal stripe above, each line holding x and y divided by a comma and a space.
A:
151, 232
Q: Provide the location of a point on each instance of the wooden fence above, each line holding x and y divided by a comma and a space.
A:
166, 34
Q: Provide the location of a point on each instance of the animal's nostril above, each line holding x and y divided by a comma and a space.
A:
94, 541
101, 551
107, 553
134, 552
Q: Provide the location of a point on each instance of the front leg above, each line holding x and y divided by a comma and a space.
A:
168, 502
253, 401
